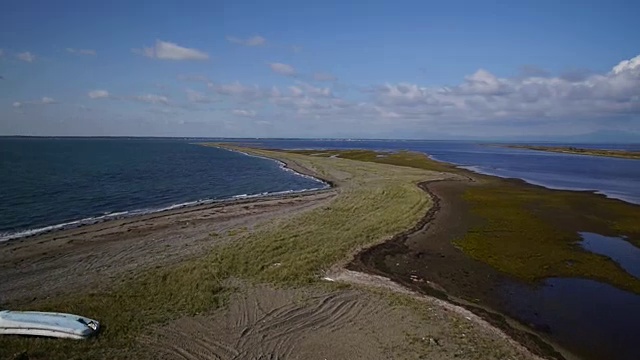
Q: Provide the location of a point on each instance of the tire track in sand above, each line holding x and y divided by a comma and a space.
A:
261, 324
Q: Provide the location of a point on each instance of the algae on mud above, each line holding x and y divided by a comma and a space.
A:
531, 232
374, 202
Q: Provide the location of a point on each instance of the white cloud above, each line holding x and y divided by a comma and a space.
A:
323, 77
282, 69
198, 97
627, 65
481, 102
240, 92
43, 101
143, 98
152, 99
313, 91
245, 113
98, 94
26, 56
170, 51
82, 51
484, 96
483, 82
252, 41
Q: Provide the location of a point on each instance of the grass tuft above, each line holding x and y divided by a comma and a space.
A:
374, 202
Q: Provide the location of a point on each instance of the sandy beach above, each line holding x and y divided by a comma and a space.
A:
348, 315
90, 256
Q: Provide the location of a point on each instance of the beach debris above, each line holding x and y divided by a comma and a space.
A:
328, 279
49, 324
276, 264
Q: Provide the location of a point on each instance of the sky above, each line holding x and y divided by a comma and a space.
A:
348, 69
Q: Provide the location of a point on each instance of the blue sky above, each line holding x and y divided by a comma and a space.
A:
417, 69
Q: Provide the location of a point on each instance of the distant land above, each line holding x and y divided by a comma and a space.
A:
598, 137
624, 154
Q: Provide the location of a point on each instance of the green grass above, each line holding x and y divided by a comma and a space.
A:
523, 231
400, 158
374, 202
530, 232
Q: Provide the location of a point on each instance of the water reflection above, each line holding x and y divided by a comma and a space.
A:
618, 249
599, 320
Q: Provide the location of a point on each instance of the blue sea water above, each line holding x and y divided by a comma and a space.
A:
46, 183
50, 183
615, 178
593, 319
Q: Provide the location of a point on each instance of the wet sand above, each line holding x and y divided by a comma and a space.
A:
422, 262
426, 260
94, 256
261, 321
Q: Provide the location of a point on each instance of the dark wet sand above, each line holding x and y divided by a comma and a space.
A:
426, 260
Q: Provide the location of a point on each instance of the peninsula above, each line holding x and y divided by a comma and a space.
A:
623, 154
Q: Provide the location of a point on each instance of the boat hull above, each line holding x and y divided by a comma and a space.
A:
49, 324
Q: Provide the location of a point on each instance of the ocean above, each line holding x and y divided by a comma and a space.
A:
613, 177
49, 183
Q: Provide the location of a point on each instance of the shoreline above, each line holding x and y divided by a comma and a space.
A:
474, 169
423, 257
291, 167
196, 204
425, 222
86, 256
617, 154
357, 270
512, 329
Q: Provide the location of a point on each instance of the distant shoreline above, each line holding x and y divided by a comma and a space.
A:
621, 154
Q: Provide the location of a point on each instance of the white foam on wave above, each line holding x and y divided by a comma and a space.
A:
283, 167
122, 214
65, 225
125, 214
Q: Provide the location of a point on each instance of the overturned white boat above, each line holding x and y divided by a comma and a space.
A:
48, 324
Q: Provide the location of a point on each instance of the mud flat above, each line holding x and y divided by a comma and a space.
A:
245, 279
510, 252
